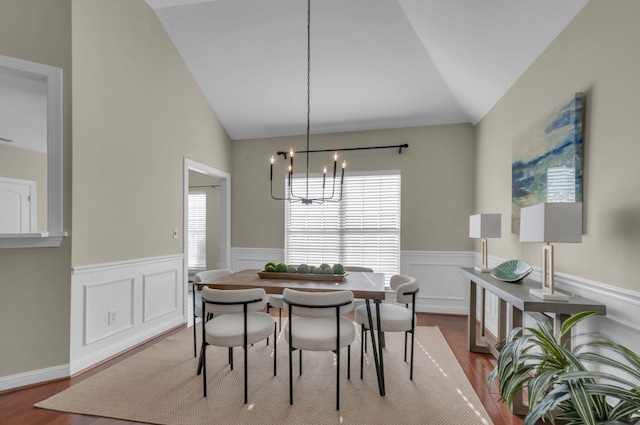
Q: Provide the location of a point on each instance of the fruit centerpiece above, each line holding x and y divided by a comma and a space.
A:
324, 272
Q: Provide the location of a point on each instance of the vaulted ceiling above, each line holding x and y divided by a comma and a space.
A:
374, 63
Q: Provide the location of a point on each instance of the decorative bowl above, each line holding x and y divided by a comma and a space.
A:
512, 271
304, 277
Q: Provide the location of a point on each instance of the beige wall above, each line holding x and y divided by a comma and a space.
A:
28, 165
598, 55
35, 282
437, 183
137, 113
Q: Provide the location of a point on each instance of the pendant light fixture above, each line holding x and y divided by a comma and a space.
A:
328, 195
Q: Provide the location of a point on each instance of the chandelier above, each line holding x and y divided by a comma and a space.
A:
334, 195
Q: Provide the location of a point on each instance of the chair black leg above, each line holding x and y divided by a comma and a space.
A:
362, 345
199, 371
290, 375
246, 372
348, 361
411, 367
364, 337
194, 337
204, 368
300, 362
193, 293
405, 345
279, 319
338, 378
231, 357
275, 352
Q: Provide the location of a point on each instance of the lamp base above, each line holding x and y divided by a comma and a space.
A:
481, 270
556, 296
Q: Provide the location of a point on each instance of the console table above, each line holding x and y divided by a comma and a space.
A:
517, 296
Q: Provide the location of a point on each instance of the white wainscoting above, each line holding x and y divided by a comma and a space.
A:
116, 306
442, 287
254, 258
149, 296
621, 323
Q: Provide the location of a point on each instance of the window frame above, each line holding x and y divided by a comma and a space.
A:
389, 237
199, 258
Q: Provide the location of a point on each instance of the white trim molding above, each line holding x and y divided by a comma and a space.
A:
34, 377
115, 306
254, 258
224, 179
442, 288
53, 77
622, 304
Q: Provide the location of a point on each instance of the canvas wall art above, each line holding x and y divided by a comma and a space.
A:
547, 159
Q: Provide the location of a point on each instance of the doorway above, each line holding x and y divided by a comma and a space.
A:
223, 191
17, 206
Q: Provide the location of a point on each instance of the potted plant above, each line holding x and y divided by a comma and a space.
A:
595, 382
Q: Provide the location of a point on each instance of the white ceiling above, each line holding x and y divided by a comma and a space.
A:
374, 63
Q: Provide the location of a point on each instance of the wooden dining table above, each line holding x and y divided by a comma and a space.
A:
368, 286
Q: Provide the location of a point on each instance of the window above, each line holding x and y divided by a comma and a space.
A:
361, 230
197, 228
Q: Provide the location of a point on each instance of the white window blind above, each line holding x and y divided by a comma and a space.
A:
361, 230
197, 227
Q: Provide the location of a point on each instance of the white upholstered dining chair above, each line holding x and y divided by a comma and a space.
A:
317, 324
393, 317
358, 301
236, 321
358, 269
275, 300
204, 276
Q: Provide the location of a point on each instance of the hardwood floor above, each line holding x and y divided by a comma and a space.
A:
476, 366
16, 407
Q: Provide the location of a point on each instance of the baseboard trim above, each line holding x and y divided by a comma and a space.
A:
34, 377
122, 346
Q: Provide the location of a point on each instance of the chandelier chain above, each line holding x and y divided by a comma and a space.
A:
308, 87
289, 192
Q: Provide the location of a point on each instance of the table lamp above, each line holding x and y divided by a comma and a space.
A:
550, 222
484, 226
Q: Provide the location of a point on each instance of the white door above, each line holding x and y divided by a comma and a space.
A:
17, 206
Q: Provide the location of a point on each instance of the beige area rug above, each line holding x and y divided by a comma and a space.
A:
159, 386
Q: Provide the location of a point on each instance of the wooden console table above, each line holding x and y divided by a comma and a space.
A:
517, 296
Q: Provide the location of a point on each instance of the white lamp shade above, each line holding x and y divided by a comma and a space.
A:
551, 222
484, 226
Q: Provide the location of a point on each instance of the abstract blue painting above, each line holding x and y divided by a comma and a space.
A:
547, 160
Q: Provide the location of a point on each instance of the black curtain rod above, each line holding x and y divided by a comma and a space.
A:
400, 147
